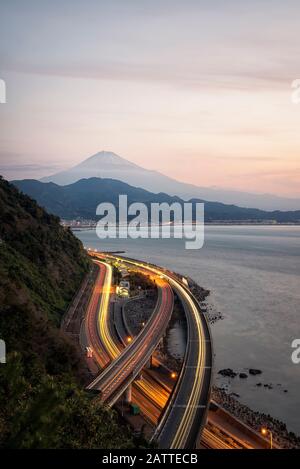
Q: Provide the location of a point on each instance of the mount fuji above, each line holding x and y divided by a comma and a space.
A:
106, 164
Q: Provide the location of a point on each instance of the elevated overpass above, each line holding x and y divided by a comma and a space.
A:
185, 413
126, 366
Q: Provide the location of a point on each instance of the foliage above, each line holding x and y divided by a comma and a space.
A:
42, 404
54, 413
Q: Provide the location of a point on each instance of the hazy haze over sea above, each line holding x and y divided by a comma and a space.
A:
253, 273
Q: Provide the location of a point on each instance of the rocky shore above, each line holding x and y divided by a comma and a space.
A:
201, 294
256, 420
225, 399
252, 418
231, 374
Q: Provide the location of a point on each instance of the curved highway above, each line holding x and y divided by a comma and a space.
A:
125, 367
185, 414
92, 326
99, 337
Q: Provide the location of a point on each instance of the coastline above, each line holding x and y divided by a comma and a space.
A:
289, 437
90, 225
254, 419
250, 417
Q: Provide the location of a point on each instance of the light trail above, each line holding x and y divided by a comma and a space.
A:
104, 333
140, 349
191, 406
118, 375
91, 318
185, 406
152, 397
111, 348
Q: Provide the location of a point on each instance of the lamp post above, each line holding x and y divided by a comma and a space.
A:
266, 431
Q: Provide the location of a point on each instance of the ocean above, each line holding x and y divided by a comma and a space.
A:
253, 273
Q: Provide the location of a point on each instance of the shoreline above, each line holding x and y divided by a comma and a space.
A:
92, 226
256, 420
250, 417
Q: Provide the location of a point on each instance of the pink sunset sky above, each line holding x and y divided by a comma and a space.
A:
199, 90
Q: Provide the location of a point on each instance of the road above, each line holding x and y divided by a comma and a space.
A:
150, 393
185, 413
153, 391
125, 367
185, 417
97, 333
91, 328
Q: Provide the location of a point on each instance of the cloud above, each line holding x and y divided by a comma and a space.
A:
27, 171
247, 158
206, 75
226, 45
27, 167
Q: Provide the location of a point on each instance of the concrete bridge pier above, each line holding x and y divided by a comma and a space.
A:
149, 363
128, 394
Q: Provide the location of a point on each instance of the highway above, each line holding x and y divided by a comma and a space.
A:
179, 414
125, 367
185, 413
98, 335
150, 393
153, 391
183, 421
92, 327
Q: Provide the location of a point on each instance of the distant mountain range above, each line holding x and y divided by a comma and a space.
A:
80, 199
109, 165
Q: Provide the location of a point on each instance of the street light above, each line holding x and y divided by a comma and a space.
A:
265, 432
173, 375
129, 339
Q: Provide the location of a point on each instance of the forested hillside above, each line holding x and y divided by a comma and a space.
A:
80, 200
42, 404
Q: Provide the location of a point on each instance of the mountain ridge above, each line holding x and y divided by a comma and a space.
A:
106, 164
80, 200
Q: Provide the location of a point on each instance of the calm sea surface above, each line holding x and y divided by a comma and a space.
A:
254, 277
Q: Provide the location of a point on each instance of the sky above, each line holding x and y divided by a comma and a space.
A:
199, 90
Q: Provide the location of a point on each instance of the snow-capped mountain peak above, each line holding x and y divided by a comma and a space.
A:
106, 164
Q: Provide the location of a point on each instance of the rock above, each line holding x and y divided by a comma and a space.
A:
243, 375
268, 386
285, 390
258, 384
228, 372
254, 372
